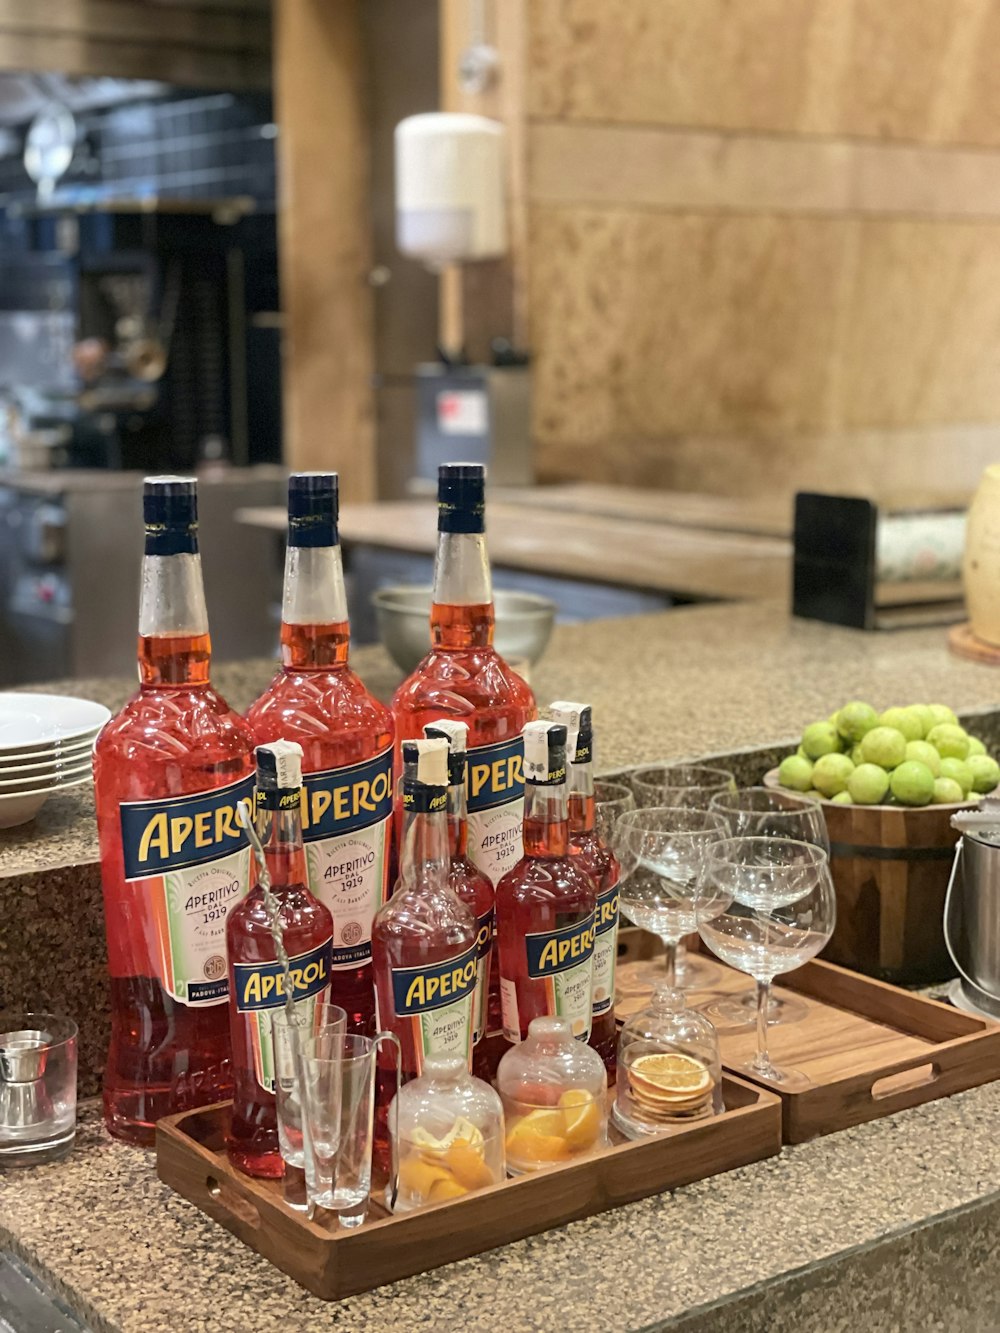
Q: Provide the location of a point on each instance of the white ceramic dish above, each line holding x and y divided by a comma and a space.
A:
38, 781
54, 764
50, 754
30, 721
22, 806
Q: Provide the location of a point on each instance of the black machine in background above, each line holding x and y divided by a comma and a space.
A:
176, 347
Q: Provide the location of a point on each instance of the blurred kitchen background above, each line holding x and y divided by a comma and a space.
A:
749, 250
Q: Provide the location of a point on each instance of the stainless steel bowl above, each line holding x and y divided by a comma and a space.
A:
523, 623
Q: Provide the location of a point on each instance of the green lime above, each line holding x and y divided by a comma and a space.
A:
868, 784
884, 746
947, 792
922, 752
958, 770
856, 756
842, 798
941, 713
950, 741
830, 773
924, 713
976, 746
795, 773
854, 719
913, 783
820, 738
985, 772
901, 719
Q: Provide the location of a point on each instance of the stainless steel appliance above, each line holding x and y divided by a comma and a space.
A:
972, 907
70, 551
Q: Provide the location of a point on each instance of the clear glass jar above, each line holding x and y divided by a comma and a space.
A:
669, 1069
449, 1135
555, 1098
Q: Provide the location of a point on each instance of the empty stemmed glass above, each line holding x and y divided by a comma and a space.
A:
679, 784
766, 906
611, 801
766, 813
661, 850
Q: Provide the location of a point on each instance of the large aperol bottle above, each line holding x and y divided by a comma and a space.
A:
601, 865
464, 677
256, 978
170, 770
424, 938
546, 905
346, 737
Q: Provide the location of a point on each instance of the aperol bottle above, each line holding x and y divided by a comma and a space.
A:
463, 676
170, 770
256, 978
546, 904
466, 882
346, 737
601, 865
424, 937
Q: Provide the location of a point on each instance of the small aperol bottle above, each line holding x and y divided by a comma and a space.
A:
468, 883
546, 905
170, 771
346, 737
424, 937
257, 980
464, 677
601, 865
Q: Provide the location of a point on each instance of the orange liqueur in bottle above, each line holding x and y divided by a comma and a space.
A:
256, 978
463, 677
170, 771
546, 905
601, 865
346, 737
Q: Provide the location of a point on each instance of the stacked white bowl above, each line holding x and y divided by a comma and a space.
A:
46, 745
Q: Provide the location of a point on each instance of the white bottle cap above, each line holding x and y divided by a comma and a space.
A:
456, 733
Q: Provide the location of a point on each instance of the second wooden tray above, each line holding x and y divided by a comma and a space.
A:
334, 1263
869, 1049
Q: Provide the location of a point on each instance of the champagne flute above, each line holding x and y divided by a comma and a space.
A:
767, 813
766, 906
663, 847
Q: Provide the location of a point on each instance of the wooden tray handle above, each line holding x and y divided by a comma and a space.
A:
903, 1083
221, 1196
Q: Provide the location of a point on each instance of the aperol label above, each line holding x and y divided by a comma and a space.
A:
437, 1001
605, 950
495, 784
260, 989
346, 814
189, 858
564, 960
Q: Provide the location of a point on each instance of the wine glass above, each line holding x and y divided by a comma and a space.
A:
679, 784
662, 848
766, 906
611, 801
767, 813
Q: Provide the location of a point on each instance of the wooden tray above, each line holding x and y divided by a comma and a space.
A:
334, 1263
869, 1049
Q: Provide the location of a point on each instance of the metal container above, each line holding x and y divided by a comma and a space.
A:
972, 915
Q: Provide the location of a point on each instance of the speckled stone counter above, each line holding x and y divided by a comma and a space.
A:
889, 1226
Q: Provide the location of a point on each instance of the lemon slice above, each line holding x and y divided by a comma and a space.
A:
461, 1129
673, 1075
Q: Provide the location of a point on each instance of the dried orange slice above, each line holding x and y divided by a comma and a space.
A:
672, 1076
583, 1118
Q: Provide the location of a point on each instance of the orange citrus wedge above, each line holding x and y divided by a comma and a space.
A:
583, 1118
418, 1177
466, 1164
446, 1189
528, 1145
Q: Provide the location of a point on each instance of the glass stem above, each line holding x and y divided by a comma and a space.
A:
671, 961
762, 1061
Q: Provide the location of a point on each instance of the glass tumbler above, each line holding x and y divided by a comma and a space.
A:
289, 1037
37, 1088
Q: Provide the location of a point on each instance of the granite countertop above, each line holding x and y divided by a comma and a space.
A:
685, 682
892, 1225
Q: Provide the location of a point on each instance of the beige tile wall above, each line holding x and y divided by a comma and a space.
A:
764, 241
